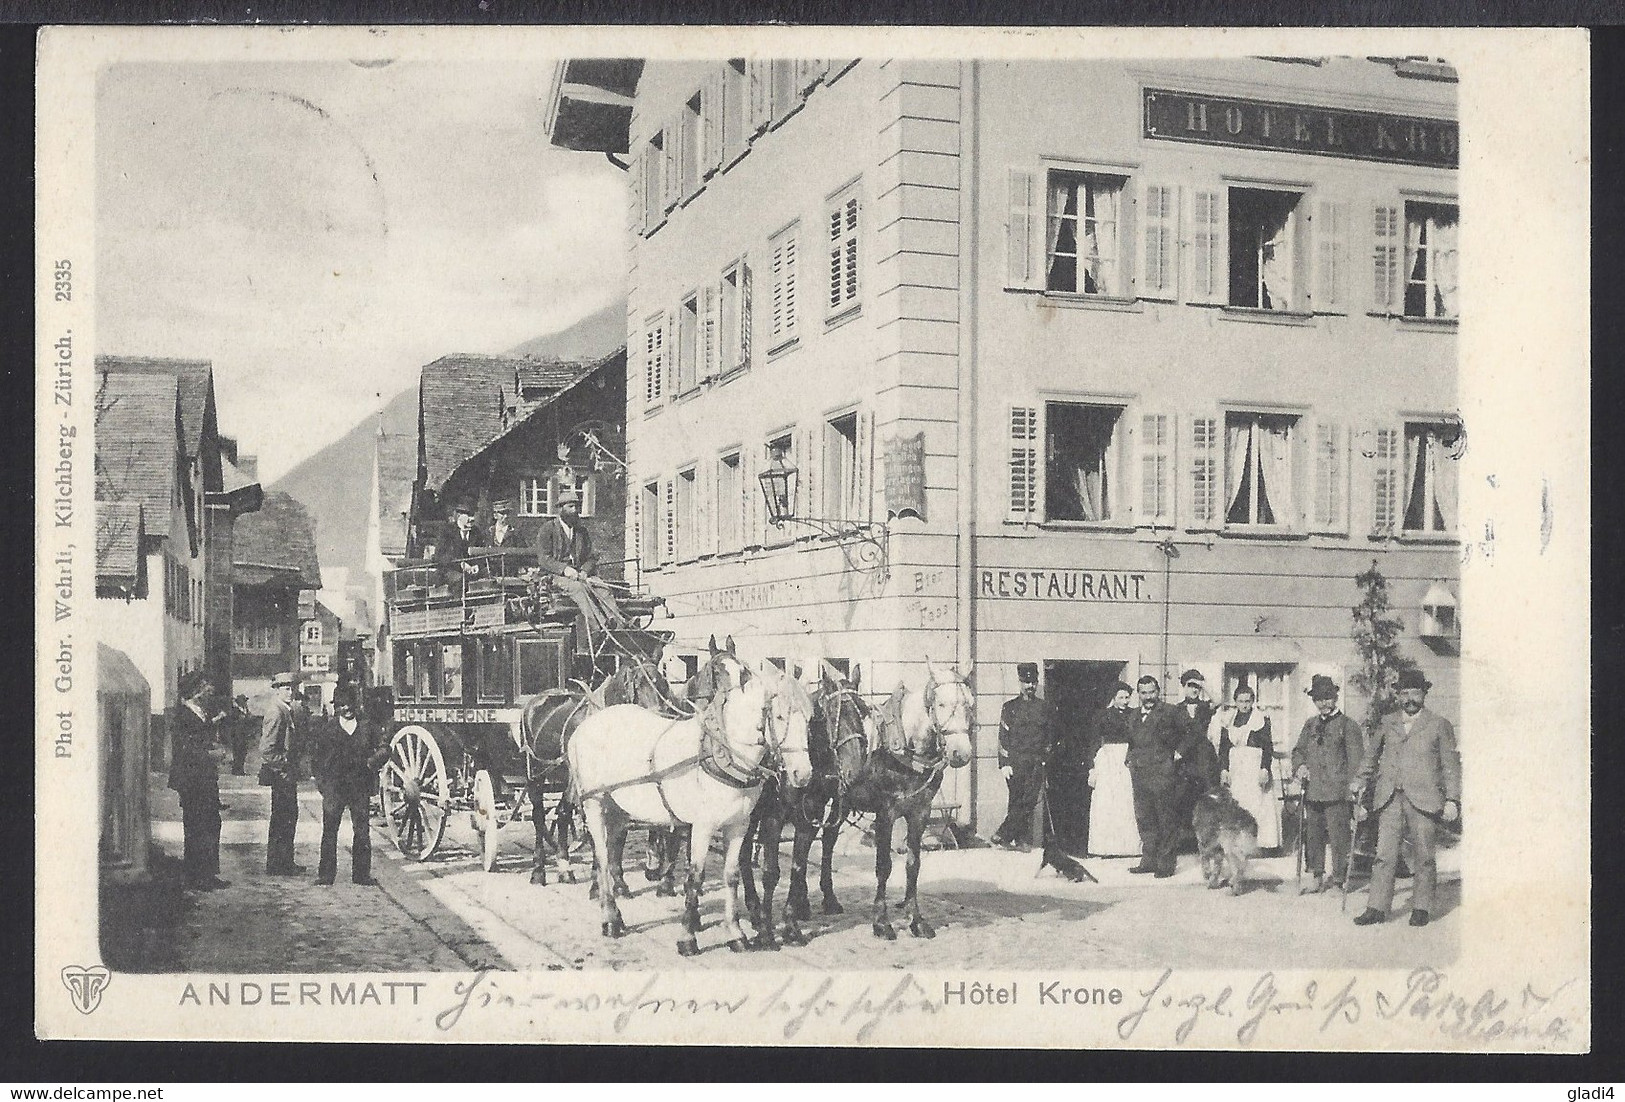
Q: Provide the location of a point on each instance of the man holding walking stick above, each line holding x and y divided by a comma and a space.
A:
1325, 760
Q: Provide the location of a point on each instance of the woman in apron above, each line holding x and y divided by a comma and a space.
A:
1246, 759
1112, 829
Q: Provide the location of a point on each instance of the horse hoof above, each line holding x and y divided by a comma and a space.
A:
592, 892
766, 940
666, 890
613, 929
831, 907
651, 875
794, 936
738, 945
567, 877
688, 947
921, 928
622, 891
539, 877
885, 931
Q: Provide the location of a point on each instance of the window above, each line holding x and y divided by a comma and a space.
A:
1081, 462
734, 320
729, 508
1083, 234
406, 676
1258, 469
1263, 243
649, 525
428, 671
843, 250
654, 359
451, 671
688, 351
1430, 260
256, 638
535, 496
687, 529
313, 632
1269, 682
841, 467
783, 246
690, 146
494, 673
538, 665
1430, 478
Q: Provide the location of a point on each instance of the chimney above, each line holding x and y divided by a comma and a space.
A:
250, 466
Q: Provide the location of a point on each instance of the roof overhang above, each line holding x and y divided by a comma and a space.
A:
589, 105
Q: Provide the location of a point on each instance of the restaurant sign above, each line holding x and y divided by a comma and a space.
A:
1300, 128
1065, 585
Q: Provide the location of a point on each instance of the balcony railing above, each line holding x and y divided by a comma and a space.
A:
493, 589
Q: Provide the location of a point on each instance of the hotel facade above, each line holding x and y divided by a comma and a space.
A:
1121, 368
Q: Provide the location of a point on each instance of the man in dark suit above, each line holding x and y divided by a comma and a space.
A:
279, 771
1326, 758
348, 752
503, 533
1156, 735
563, 545
1417, 771
1026, 732
194, 774
1197, 770
456, 540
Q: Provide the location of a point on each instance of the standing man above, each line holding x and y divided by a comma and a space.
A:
195, 775
240, 723
348, 752
1196, 768
1325, 761
1417, 767
1156, 735
279, 770
1026, 731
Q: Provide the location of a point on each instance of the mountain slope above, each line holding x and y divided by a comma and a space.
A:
335, 484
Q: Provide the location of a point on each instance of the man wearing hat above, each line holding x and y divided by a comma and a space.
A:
349, 750
459, 536
1327, 757
238, 723
1196, 766
1026, 730
1417, 771
194, 774
563, 544
279, 771
503, 533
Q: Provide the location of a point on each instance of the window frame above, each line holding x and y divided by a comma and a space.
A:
1119, 515
1295, 233
840, 477
1430, 278
535, 504
1297, 420
1079, 175
731, 538
1452, 521
687, 495
650, 525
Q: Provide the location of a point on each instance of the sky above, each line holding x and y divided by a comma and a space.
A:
321, 230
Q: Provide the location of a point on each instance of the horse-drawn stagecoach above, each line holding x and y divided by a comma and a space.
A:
471, 644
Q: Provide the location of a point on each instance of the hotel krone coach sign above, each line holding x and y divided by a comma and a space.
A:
1299, 128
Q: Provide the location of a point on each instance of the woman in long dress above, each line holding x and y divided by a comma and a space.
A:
1112, 829
1246, 759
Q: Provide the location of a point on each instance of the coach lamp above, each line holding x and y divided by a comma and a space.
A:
862, 543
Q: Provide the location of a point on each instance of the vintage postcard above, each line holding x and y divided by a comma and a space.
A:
1069, 539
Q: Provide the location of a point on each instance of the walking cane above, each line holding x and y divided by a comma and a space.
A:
1354, 828
1303, 832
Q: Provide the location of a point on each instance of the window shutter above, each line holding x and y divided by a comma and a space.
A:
711, 300
1159, 262
653, 195
639, 200
1385, 482
790, 312
777, 327
1331, 245
761, 101
673, 184
836, 255
749, 488
636, 509
851, 212
1385, 259
863, 468
1209, 268
1026, 439
806, 445
1023, 261
1330, 511
653, 363
668, 546
1204, 471
711, 108
1299, 296
1156, 469
746, 314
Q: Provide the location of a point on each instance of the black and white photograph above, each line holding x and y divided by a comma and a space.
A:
565, 536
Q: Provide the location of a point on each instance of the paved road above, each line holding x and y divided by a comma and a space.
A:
990, 907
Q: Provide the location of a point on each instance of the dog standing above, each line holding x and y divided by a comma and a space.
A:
1226, 836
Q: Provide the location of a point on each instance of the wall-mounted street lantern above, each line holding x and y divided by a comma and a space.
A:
862, 542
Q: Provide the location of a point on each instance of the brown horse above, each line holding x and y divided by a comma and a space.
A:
837, 742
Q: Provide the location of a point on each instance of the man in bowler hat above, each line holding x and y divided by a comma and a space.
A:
1417, 771
348, 752
1327, 757
1026, 730
194, 774
280, 748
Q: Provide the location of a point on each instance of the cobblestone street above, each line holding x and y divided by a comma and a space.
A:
991, 908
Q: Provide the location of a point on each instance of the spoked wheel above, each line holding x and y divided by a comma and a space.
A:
417, 792
487, 817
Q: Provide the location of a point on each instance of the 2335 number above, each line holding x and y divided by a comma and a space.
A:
64, 281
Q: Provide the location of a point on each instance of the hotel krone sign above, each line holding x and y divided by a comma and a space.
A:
1300, 128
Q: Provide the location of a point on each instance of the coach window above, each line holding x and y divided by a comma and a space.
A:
406, 685
1084, 233
1430, 260
1264, 235
1430, 478
428, 671
538, 666
451, 671
1258, 470
1082, 462
494, 674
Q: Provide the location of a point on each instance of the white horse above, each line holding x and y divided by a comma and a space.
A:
706, 772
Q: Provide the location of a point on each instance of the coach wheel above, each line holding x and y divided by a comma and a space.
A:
487, 817
417, 792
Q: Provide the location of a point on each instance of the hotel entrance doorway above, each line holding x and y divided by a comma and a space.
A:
1079, 691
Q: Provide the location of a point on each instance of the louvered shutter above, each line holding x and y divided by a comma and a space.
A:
673, 183
1026, 442
1204, 472
1385, 231
776, 329
1159, 259
836, 256
710, 537
635, 173
1023, 251
711, 114
710, 304
749, 489
668, 544
863, 468
1385, 467
791, 312
746, 314
812, 483
1209, 267
1300, 296
761, 100
1156, 448
1331, 246
653, 187
635, 508
1330, 509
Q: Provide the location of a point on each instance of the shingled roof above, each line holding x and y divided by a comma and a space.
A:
276, 544
397, 470
137, 444
196, 382
118, 540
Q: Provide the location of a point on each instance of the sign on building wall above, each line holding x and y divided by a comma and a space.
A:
1300, 128
905, 476
1065, 585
